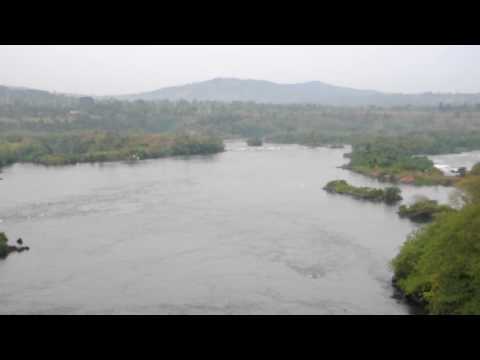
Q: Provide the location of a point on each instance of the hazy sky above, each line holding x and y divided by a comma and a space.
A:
108, 69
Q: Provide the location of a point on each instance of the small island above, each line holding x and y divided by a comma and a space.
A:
394, 160
389, 195
423, 210
255, 142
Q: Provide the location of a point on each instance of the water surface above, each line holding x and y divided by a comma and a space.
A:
449, 162
249, 231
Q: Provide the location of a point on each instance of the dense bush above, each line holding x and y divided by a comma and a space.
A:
425, 130
3, 245
395, 160
392, 194
389, 195
59, 149
423, 210
440, 264
385, 154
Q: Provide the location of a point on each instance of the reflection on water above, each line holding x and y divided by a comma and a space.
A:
249, 231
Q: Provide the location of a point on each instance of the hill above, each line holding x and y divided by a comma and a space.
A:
315, 92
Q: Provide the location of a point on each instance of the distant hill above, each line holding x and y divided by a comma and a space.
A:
13, 95
259, 91
315, 92
10, 92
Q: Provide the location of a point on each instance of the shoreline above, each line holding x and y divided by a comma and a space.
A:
100, 162
415, 305
407, 178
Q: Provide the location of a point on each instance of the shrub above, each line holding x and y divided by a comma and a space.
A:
392, 194
440, 263
389, 195
423, 210
3, 245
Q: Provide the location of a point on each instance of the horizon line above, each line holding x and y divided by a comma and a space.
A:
380, 92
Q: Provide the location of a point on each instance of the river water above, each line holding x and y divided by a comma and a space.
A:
449, 162
248, 231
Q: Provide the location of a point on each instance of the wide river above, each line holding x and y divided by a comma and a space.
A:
248, 231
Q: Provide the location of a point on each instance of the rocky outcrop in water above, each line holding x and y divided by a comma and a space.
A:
6, 249
255, 142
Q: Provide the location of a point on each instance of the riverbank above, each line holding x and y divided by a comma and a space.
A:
396, 161
86, 147
423, 210
431, 177
436, 271
437, 267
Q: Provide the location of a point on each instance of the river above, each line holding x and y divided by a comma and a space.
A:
448, 162
248, 231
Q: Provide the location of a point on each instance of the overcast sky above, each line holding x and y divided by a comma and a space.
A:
112, 70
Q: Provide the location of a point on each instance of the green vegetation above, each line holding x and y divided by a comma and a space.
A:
395, 160
471, 185
389, 195
439, 265
423, 210
432, 130
403, 131
254, 142
3, 245
60, 149
475, 170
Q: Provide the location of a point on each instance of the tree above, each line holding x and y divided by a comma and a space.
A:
392, 194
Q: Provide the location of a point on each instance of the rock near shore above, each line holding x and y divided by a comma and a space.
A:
6, 249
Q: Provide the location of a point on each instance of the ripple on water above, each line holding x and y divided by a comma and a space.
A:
223, 235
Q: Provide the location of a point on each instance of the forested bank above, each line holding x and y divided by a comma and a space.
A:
33, 111
438, 267
417, 130
400, 159
96, 146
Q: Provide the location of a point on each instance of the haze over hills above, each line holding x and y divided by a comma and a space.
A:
314, 92
260, 91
